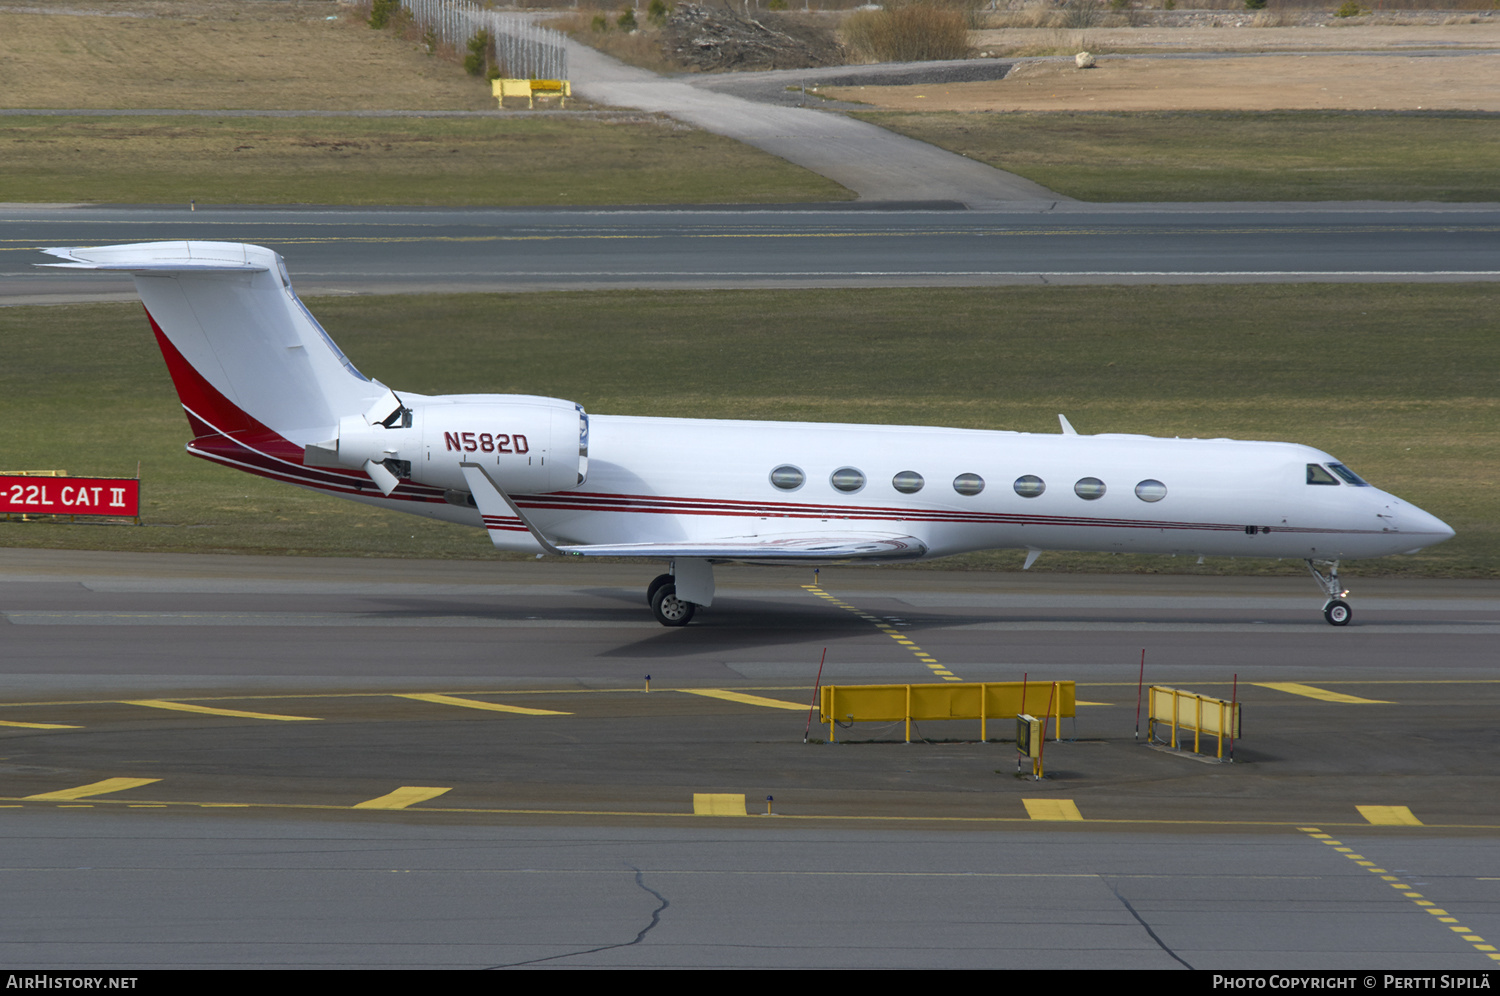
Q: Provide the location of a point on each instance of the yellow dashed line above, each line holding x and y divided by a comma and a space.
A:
718, 804
1322, 694
755, 700
406, 795
451, 700
91, 789
213, 711
892, 632
1426, 905
1052, 809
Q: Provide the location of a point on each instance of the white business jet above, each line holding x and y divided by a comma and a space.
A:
266, 391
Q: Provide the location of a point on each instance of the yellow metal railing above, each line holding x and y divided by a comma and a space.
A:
983, 701
503, 88
1189, 711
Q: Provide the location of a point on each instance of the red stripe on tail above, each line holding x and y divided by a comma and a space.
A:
199, 396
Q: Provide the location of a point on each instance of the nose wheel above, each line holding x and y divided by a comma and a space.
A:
1338, 613
1335, 610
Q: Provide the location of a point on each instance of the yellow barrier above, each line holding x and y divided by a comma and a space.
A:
1190, 711
977, 700
501, 89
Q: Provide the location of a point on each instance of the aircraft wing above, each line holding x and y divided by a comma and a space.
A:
788, 548
500, 512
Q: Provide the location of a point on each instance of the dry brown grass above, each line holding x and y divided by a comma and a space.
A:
642, 47
252, 55
909, 32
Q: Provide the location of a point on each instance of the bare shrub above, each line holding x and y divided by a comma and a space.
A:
917, 31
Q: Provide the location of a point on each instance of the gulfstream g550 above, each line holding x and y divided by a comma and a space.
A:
268, 392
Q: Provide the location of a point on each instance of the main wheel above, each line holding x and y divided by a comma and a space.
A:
669, 609
656, 583
1338, 613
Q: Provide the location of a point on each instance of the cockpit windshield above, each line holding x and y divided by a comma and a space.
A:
1349, 476
1317, 475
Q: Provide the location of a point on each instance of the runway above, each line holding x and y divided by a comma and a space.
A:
373, 764
369, 251
236, 761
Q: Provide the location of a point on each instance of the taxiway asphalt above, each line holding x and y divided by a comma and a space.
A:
370, 251
279, 761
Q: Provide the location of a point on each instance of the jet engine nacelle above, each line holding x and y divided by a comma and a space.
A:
530, 445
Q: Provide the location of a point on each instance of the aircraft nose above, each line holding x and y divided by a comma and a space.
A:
1429, 527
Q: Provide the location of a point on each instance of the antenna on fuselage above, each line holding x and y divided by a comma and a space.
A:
1067, 427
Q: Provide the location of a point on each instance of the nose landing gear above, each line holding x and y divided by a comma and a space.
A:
1335, 610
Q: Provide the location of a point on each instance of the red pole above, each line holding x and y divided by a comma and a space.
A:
813, 704
1234, 713
1042, 750
1139, 682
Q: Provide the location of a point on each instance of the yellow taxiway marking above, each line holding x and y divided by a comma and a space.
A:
1422, 903
928, 661
475, 704
39, 726
215, 711
1051, 809
755, 700
91, 789
718, 804
406, 795
1389, 816
1294, 688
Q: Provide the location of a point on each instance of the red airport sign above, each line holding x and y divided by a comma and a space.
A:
70, 495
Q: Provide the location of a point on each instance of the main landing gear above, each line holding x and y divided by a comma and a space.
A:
669, 610
1336, 610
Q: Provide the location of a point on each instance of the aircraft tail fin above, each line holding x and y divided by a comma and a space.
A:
242, 349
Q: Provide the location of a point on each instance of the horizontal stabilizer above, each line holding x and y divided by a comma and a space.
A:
160, 257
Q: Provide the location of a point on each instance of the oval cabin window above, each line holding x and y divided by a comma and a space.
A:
1089, 489
847, 480
908, 482
787, 478
968, 484
1030, 486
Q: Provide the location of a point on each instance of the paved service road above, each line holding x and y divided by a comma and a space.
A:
265, 761
407, 250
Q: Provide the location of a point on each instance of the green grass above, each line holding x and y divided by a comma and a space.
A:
1231, 156
1396, 380
376, 161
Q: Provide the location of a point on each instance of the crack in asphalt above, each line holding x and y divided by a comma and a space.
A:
640, 881
1147, 927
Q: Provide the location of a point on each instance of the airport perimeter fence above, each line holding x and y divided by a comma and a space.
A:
522, 50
